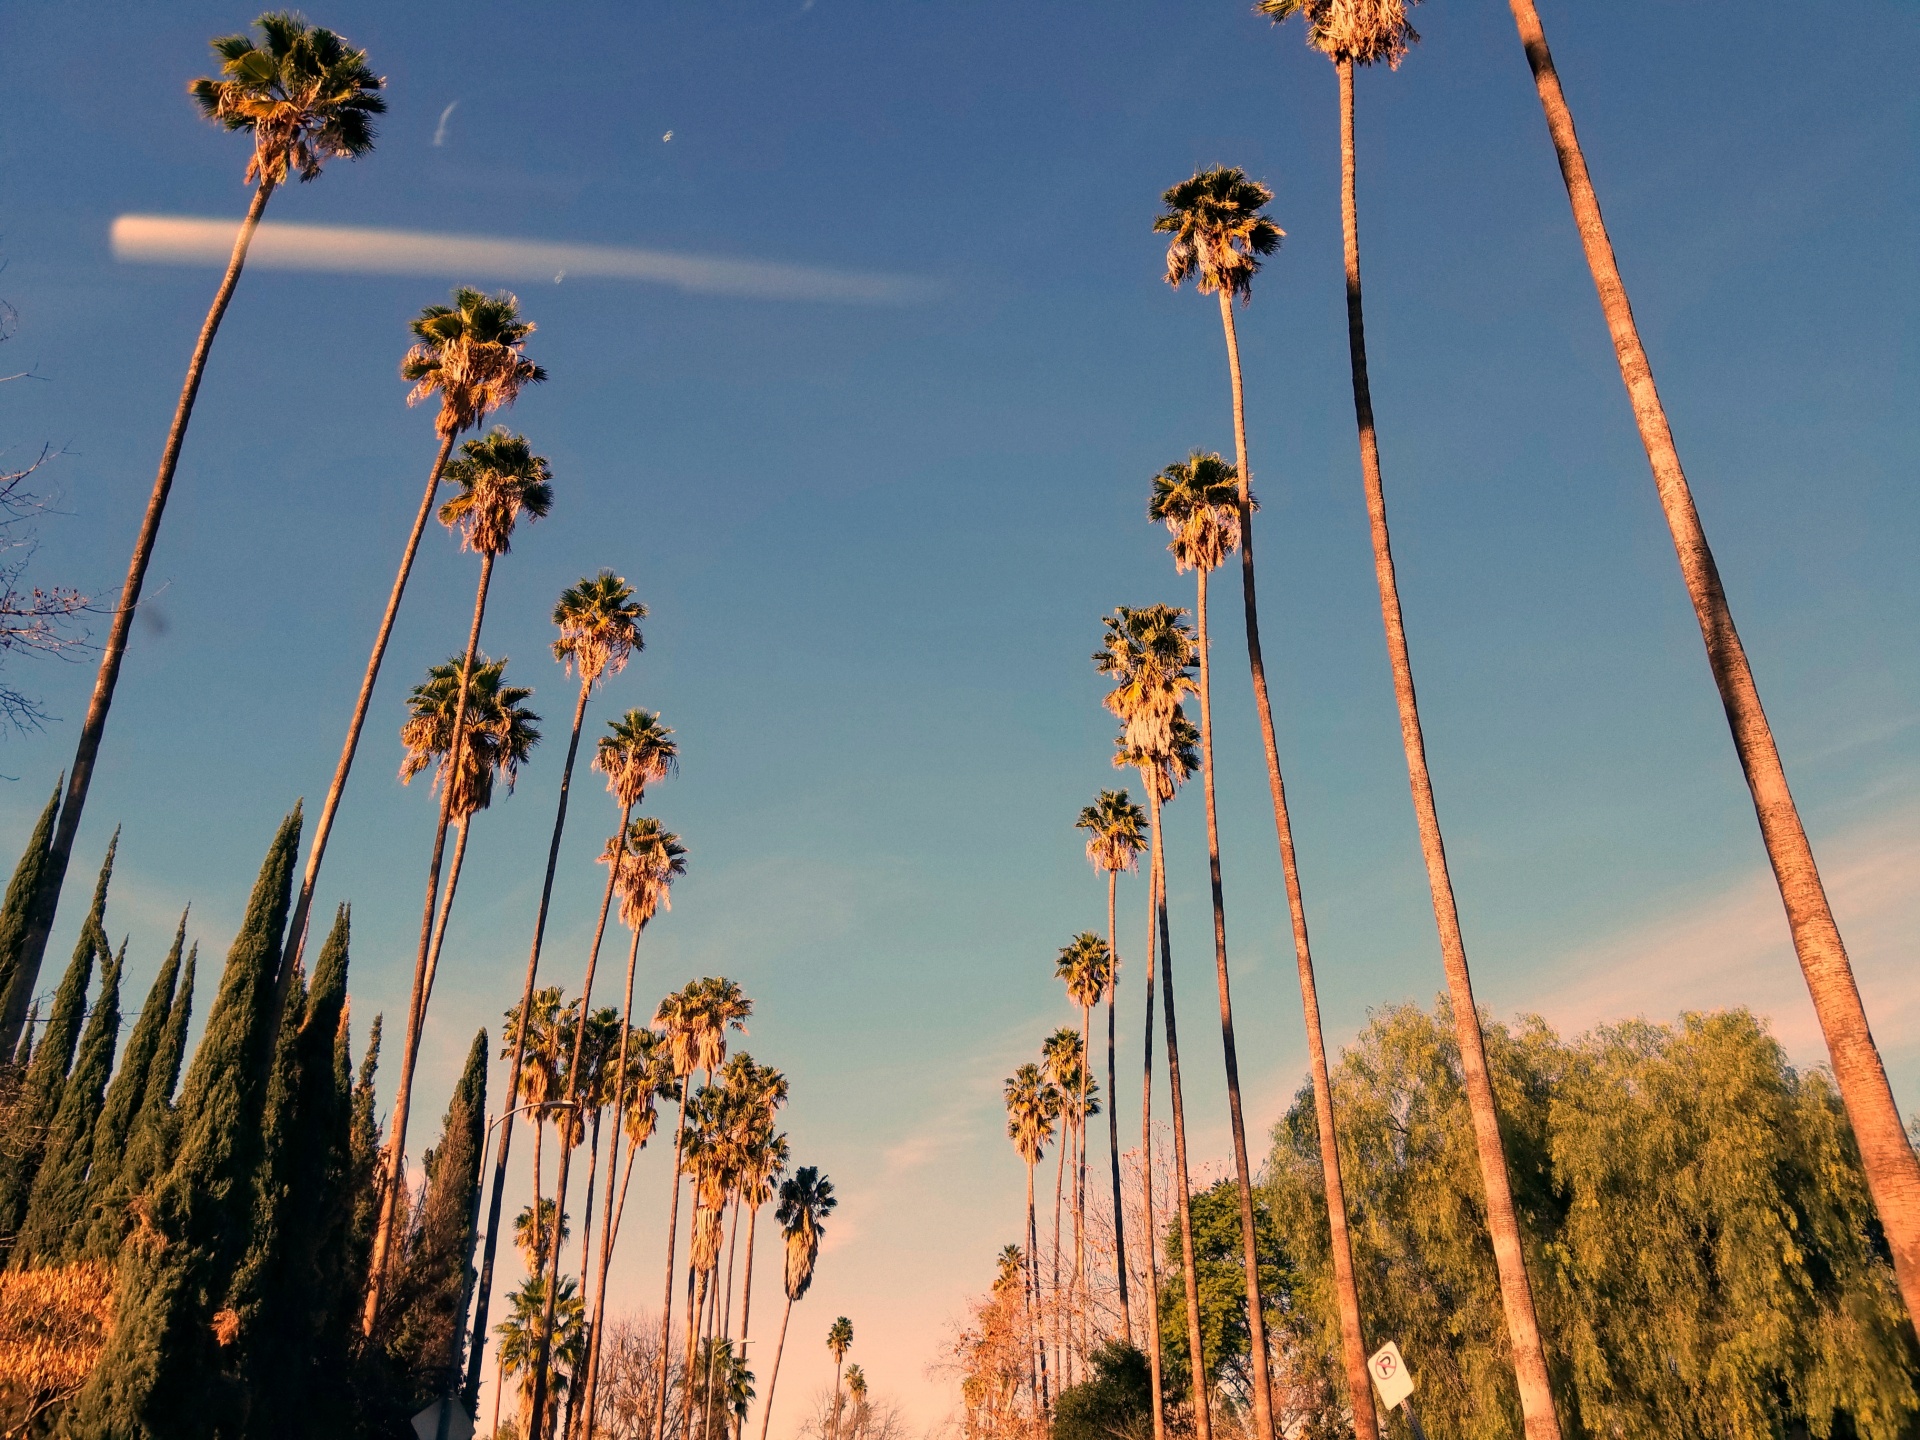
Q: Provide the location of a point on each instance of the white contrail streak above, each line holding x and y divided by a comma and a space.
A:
345, 249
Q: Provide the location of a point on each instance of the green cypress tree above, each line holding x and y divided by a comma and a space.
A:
129, 1087
46, 1079
364, 1145
160, 1375
56, 1220
16, 915
149, 1147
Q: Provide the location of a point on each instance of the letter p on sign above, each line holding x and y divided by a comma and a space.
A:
1390, 1375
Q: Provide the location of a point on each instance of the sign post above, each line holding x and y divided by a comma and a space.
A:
1395, 1383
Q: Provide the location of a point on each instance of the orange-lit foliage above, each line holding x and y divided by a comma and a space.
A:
53, 1325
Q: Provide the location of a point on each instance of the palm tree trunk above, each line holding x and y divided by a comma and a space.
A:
733, 1235
539, 1145
1353, 1347
416, 1008
1202, 1403
1151, 1240
303, 904
571, 1094
586, 1213
1054, 1323
779, 1349
1887, 1156
1242, 1172
1516, 1290
440, 923
87, 750
673, 1232
613, 1154
833, 1428
1036, 1347
696, 1312
519, 1057
746, 1307
1113, 1107
1080, 1179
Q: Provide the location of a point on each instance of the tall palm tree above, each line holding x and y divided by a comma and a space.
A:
1063, 1056
539, 1086
1351, 33
1032, 1107
1198, 499
500, 735
765, 1168
472, 356
1086, 966
1893, 1172
599, 623
500, 479
857, 1392
805, 1202
839, 1341
1116, 834
307, 97
1149, 654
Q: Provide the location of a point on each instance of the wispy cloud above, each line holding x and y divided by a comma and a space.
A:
440, 130
345, 249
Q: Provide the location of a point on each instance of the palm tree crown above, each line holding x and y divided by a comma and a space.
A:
840, 1338
1149, 652
636, 751
1163, 769
1358, 32
472, 354
306, 95
805, 1202
1218, 231
1116, 831
1086, 965
648, 859
1032, 1106
499, 477
1198, 500
599, 624
500, 731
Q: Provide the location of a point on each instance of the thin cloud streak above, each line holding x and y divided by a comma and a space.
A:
355, 250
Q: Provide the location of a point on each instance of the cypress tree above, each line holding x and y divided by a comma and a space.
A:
160, 1374
129, 1087
56, 1220
46, 1078
149, 1147
16, 917
364, 1149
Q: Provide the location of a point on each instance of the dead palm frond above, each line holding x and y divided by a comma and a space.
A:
1149, 653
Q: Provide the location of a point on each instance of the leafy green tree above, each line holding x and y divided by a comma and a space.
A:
1115, 1402
1225, 1331
16, 923
56, 1219
163, 1371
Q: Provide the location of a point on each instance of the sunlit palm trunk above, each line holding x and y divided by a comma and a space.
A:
87, 750
1150, 1242
542, 1355
746, 1307
779, 1349
608, 1221
454, 867
673, 1234
1057, 1310
833, 1430
1113, 1106
1353, 1347
1516, 1290
416, 1006
485, 1292
1036, 1335
1080, 1180
303, 904
1893, 1173
1202, 1405
1243, 1174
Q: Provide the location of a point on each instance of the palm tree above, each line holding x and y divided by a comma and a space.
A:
1115, 829
1032, 1106
1349, 33
857, 1392
839, 1341
1063, 1056
1887, 1156
472, 355
599, 623
500, 478
307, 97
524, 1338
500, 735
539, 1085
805, 1202
766, 1164
1086, 966
1149, 653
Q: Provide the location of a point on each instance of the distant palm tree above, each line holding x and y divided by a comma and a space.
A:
1887, 1156
1086, 966
599, 623
307, 97
1032, 1107
500, 479
1149, 654
539, 1085
765, 1167
1116, 834
523, 1338
472, 356
1349, 34
839, 1341
1063, 1056
857, 1392
805, 1202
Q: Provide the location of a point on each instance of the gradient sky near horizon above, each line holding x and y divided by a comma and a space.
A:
877, 538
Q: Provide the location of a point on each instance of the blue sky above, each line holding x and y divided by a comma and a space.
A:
876, 538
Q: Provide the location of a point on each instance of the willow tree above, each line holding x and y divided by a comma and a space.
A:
305, 97
1893, 1173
